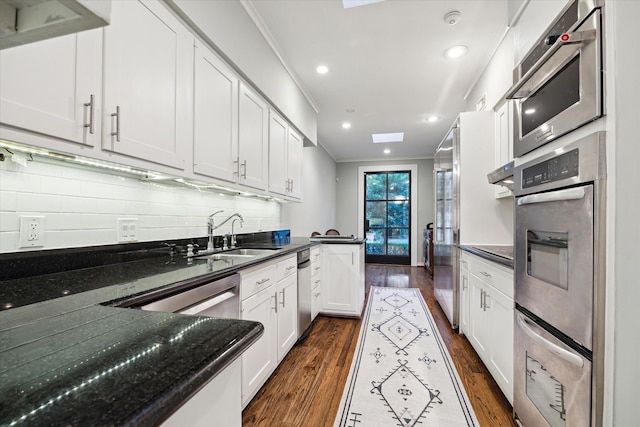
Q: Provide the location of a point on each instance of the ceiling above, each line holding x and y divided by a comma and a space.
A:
386, 61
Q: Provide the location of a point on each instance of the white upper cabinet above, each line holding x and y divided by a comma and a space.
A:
53, 87
285, 158
503, 143
215, 146
253, 140
147, 83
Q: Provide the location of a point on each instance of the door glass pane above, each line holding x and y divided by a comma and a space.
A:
398, 241
398, 214
377, 214
399, 186
376, 186
376, 242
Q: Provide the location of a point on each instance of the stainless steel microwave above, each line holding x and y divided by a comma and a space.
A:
560, 81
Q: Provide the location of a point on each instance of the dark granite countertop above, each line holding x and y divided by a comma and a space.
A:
65, 359
501, 254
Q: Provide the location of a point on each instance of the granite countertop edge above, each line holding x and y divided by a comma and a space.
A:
485, 252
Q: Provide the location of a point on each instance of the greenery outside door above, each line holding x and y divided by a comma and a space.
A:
388, 217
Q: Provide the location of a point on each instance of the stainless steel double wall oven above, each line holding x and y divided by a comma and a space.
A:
559, 285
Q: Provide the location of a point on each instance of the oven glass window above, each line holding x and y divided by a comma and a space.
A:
547, 257
558, 94
546, 393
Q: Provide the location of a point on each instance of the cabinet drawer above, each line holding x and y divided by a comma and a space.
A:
255, 280
465, 258
315, 282
286, 267
496, 275
315, 269
315, 254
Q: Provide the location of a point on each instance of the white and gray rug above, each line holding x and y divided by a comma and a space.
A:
402, 374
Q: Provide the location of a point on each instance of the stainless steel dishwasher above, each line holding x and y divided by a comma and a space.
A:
304, 292
220, 298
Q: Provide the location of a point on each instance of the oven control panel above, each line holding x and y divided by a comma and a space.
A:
555, 169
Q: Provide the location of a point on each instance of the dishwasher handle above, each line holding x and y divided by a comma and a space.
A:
205, 305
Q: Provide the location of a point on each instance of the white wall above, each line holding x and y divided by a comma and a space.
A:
230, 28
81, 206
317, 212
624, 200
347, 195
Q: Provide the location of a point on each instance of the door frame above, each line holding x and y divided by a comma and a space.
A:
413, 232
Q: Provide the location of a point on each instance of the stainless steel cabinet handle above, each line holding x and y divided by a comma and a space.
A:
481, 298
485, 274
244, 165
283, 294
291, 267
90, 104
260, 282
561, 352
291, 186
117, 116
236, 167
484, 303
275, 297
465, 284
317, 281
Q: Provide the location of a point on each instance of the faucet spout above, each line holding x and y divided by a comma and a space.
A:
233, 234
210, 228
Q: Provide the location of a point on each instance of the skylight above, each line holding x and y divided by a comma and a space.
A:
381, 138
347, 4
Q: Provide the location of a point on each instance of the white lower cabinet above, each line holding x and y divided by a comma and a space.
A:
491, 311
464, 293
343, 283
269, 295
217, 403
316, 281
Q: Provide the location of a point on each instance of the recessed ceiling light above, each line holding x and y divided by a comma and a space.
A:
381, 138
346, 125
322, 69
386, 151
530, 111
455, 51
433, 119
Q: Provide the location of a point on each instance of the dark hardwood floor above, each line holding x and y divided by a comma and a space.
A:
306, 388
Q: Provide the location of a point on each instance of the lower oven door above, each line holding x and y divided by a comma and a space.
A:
552, 384
554, 259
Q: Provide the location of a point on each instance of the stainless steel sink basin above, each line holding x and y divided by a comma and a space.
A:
237, 254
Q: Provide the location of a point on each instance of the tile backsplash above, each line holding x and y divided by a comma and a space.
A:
81, 206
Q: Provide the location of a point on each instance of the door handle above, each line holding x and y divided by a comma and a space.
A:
556, 196
557, 350
90, 104
244, 165
117, 116
283, 294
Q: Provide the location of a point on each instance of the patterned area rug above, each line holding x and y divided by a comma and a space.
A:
402, 374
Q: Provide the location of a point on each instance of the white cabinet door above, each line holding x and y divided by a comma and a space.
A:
287, 314
278, 134
261, 359
294, 163
503, 144
148, 59
500, 356
253, 140
53, 87
342, 279
464, 295
215, 124
479, 327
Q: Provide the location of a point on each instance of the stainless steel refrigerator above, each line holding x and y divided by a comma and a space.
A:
446, 176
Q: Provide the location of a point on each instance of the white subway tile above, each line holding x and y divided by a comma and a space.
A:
9, 221
63, 221
99, 221
9, 241
8, 201
37, 202
19, 181
61, 186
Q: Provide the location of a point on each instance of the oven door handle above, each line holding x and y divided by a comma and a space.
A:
556, 196
200, 307
559, 351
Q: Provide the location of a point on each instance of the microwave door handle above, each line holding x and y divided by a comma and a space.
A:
559, 351
575, 38
556, 196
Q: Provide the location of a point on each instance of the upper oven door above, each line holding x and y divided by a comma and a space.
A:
562, 90
554, 259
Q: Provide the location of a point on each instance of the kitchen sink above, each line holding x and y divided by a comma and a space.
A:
238, 254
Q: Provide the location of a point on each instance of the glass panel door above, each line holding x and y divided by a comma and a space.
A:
388, 217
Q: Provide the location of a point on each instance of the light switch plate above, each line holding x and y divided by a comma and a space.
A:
31, 231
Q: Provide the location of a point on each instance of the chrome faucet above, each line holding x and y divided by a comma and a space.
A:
233, 234
210, 228
214, 227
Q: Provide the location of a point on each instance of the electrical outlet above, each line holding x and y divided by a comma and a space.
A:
127, 229
31, 231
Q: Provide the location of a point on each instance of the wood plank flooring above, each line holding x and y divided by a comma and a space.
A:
306, 388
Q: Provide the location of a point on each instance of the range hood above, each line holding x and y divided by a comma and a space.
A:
502, 176
26, 21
